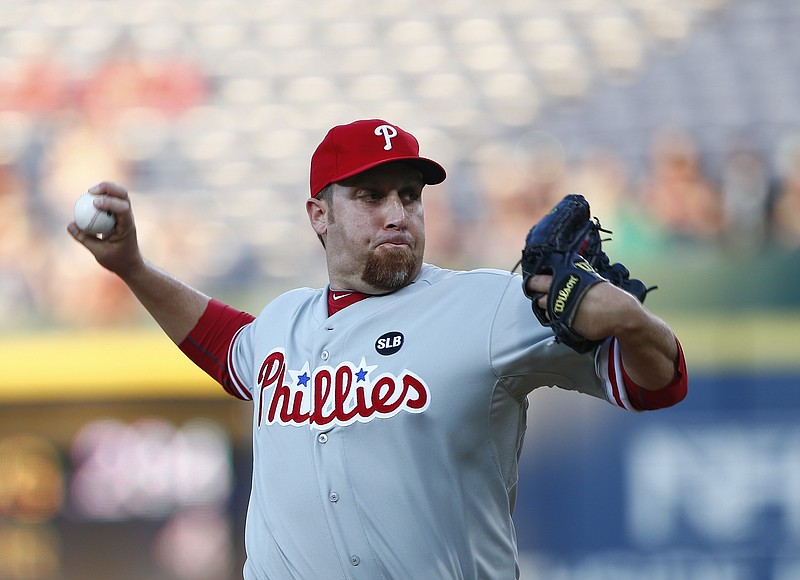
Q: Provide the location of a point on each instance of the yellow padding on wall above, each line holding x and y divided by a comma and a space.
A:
740, 341
98, 365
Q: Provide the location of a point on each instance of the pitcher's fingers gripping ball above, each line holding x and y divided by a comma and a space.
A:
90, 219
566, 244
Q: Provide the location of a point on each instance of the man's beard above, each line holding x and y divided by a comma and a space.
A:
389, 269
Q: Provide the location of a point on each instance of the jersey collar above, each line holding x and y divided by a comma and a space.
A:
339, 299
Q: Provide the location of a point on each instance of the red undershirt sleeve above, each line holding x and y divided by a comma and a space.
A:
673, 393
208, 342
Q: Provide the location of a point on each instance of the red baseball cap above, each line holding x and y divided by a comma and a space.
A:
350, 149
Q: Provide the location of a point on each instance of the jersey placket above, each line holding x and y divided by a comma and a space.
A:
336, 493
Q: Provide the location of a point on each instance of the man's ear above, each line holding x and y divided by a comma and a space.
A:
318, 211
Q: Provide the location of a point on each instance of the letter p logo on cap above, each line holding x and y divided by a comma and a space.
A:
388, 133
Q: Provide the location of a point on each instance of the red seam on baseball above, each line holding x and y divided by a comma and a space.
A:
94, 219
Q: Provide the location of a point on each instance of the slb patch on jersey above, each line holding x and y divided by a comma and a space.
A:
389, 343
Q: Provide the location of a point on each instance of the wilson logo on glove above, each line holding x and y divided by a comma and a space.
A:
562, 296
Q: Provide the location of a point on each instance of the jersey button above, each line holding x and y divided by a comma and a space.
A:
355, 560
324, 355
322, 438
334, 497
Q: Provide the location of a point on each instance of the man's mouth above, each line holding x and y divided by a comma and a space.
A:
395, 243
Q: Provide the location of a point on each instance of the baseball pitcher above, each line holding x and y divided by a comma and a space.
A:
388, 408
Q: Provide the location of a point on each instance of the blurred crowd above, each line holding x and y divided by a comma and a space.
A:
60, 135
72, 126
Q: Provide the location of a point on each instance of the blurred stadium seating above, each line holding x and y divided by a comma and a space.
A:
210, 110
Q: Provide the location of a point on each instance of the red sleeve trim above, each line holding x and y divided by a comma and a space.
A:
207, 344
672, 394
613, 379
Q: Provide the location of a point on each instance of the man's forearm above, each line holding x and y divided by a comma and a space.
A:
648, 346
175, 306
649, 353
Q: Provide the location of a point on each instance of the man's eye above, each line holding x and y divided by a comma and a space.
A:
370, 194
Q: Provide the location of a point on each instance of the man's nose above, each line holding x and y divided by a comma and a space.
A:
395, 211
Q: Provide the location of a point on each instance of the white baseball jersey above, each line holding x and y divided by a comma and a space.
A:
386, 436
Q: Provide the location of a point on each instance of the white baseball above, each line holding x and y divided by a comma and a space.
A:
90, 219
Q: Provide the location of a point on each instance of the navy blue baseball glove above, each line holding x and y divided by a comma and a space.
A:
567, 245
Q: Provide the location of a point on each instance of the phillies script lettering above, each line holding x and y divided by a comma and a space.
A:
334, 395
